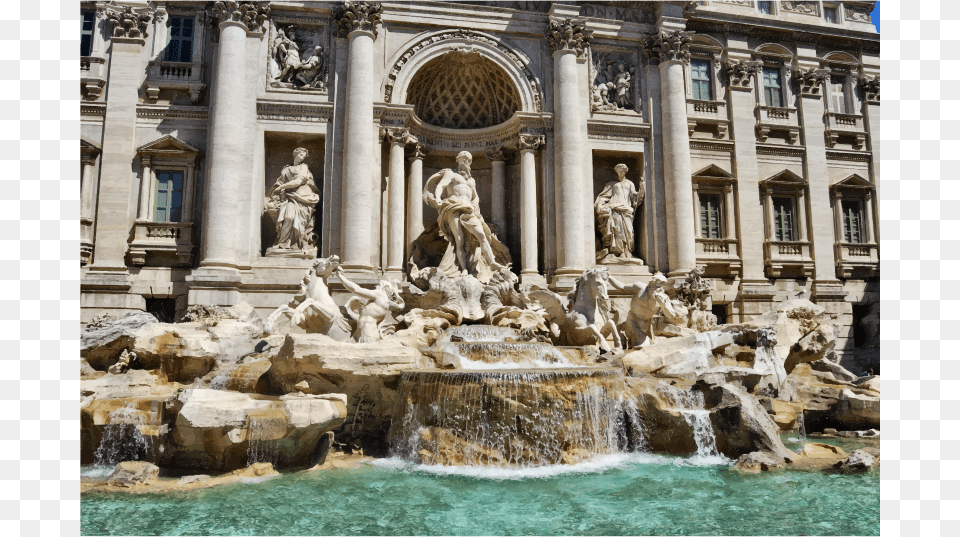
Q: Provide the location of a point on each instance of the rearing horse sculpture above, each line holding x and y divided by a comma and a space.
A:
588, 318
312, 309
646, 302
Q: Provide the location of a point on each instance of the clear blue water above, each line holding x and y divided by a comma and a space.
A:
619, 495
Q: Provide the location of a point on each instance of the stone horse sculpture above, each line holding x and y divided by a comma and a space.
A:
312, 308
588, 318
646, 303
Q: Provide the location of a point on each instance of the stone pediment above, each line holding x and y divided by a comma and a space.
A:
853, 181
168, 146
785, 177
713, 172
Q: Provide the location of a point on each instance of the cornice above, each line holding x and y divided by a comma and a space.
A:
156, 112
849, 156
822, 36
713, 145
781, 150
282, 111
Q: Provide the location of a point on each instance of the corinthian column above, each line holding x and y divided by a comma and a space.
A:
222, 208
498, 192
670, 51
358, 21
528, 145
568, 40
397, 138
415, 196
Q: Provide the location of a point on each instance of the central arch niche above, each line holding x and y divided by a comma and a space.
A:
463, 90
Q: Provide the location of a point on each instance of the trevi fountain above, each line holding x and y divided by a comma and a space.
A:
459, 390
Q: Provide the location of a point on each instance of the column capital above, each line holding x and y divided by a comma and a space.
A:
358, 16
809, 81
418, 151
497, 155
128, 23
870, 88
741, 72
251, 15
529, 142
569, 34
668, 46
397, 135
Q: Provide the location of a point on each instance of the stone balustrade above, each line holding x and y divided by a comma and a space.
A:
93, 76
785, 258
183, 76
173, 239
857, 259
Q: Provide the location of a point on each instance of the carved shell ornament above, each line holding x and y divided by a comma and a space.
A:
354, 16
568, 35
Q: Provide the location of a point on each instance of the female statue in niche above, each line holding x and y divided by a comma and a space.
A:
294, 198
615, 208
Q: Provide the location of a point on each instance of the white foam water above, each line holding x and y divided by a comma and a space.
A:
122, 439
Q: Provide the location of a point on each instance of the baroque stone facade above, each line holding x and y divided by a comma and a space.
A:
750, 137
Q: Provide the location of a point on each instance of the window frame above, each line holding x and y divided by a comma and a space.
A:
91, 33
835, 7
170, 191
696, 83
794, 227
772, 5
780, 88
718, 209
180, 39
845, 231
786, 184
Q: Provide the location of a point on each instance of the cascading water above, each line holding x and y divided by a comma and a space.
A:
480, 332
690, 404
513, 418
261, 445
122, 439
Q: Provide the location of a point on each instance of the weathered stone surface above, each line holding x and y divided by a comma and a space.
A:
858, 410
102, 346
216, 430
811, 347
742, 425
838, 372
871, 383
664, 426
88, 372
130, 426
682, 356
129, 473
758, 461
816, 450
188, 479
858, 461
744, 378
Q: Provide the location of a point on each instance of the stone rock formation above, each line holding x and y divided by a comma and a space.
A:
129, 473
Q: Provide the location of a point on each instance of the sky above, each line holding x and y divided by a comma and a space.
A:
875, 15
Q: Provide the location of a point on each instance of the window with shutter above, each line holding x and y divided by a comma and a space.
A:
169, 198
783, 219
771, 87
838, 97
852, 225
86, 32
700, 73
710, 216
180, 40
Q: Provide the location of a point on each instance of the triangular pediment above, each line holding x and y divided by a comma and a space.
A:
714, 172
853, 181
168, 144
89, 147
786, 176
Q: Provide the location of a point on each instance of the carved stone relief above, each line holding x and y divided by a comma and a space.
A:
297, 59
250, 14
741, 72
809, 81
668, 46
870, 88
613, 84
803, 8
858, 13
129, 23
568, 35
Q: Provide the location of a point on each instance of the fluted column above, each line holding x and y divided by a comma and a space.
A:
146, 185
226, 143
86, 187
415, 196
397, 138
498, 192
358, 21
528, 146
670, 51
568, 40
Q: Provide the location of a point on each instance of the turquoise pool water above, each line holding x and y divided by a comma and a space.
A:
632, 494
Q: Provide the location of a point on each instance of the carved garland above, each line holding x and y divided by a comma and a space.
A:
469, 36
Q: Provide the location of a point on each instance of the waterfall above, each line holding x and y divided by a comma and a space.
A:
260, 447
512, 418
690, 404
122, 439
219, 382
480, 333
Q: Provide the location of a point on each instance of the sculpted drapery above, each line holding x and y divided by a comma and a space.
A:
295, 196
615, 207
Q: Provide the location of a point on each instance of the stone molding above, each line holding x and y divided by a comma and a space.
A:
781, 150
741, 73
617, 132
870, 88
849, 156
713, 145
568, 34
529, 142
358, 16
93, 110
128, 23
275, 111
823, 40
251, 14
161, 113
668, 46
490, 47
810, 82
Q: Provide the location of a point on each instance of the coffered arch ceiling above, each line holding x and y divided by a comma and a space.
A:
463, 90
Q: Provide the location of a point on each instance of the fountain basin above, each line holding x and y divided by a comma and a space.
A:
475, 355
509, 417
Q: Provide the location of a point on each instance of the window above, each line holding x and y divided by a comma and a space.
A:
772, 95
700, 70
710, 216
830, 14
169, 196
180, 40
838, 96
766, 8
783, 219
86, 33
852, 221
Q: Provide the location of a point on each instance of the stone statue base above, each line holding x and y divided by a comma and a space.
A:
604, 257
306, 253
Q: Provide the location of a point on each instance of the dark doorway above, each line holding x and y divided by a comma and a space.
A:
163, 309
720, 310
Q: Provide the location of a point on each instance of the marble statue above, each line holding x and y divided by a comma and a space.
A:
694, 293
612, 84
588, 318
622, 86
293, 200
646, 302
454, 195
288, 55
369, 308
127, 360
312, 308
616, 206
